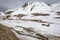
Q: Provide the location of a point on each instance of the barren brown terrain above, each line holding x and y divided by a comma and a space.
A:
6, 33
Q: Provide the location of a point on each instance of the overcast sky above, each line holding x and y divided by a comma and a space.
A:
17, 3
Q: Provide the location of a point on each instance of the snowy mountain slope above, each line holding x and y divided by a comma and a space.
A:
37, 7
53, 29
37, 15
40, 8
33, 7
56, 7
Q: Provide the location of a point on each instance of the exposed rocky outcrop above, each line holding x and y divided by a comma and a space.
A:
26, 4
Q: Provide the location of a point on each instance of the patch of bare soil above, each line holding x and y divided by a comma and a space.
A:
39, 21
6, 33
20, 15
58, 13
40, 14
57, 17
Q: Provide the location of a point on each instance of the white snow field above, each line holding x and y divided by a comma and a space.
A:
39, 16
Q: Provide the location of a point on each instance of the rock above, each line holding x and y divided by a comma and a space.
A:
46, 25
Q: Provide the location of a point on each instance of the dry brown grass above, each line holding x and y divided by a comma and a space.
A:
6, 33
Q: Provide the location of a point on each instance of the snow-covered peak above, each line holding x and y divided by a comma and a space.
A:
33, 7
35, 3
37, 7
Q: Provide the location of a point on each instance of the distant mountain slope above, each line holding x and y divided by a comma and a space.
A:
30, 8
